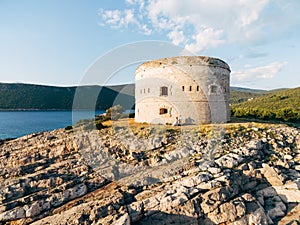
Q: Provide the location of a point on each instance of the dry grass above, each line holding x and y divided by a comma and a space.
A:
136, 127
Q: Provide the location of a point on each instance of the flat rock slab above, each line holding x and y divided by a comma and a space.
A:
293, 217
271, 175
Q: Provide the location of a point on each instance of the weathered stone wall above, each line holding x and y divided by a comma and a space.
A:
197, 90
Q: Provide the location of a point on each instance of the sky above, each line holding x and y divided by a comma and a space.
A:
55, 42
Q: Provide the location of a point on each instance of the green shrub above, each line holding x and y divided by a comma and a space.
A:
99, 126
68, 128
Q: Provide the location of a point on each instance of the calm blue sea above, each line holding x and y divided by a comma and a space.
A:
18, 123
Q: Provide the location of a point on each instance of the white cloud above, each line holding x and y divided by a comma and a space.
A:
263, 72
177, 37
129, 17
117, 18
130, 2
145, 29
136, 2
123, 19
111, 17
203, 24
205, 39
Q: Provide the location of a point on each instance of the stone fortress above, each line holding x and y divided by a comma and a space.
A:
194, 89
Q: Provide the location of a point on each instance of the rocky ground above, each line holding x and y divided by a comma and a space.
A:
140, 174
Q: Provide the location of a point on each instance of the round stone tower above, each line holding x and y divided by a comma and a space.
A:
193, 89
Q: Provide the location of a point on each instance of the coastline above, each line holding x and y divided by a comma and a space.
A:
34, 110
162, 174
23, 122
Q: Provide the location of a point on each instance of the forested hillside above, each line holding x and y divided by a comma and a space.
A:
281, 105
28, 96
250, 103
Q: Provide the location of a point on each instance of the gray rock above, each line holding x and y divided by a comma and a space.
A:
214, 170
230, 160
258, 217
16, 213
135, 211
275, 212
34, 210
228, 212
123, 220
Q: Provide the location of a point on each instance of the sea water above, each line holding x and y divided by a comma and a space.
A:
15, 124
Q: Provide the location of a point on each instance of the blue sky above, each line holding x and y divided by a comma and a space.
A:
54, 42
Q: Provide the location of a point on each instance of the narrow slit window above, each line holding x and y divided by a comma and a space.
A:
164, 91
197, 88
190, 88
148, 90
182, 88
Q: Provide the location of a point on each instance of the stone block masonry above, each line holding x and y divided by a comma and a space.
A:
193, 88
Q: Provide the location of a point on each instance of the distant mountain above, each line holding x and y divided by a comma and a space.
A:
238, 95
127, 89
281, 104
40, 97
247, 90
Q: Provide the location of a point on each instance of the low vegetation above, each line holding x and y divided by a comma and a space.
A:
239, 96
113, 113
281, 106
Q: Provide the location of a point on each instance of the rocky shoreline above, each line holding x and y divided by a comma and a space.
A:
140, 174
